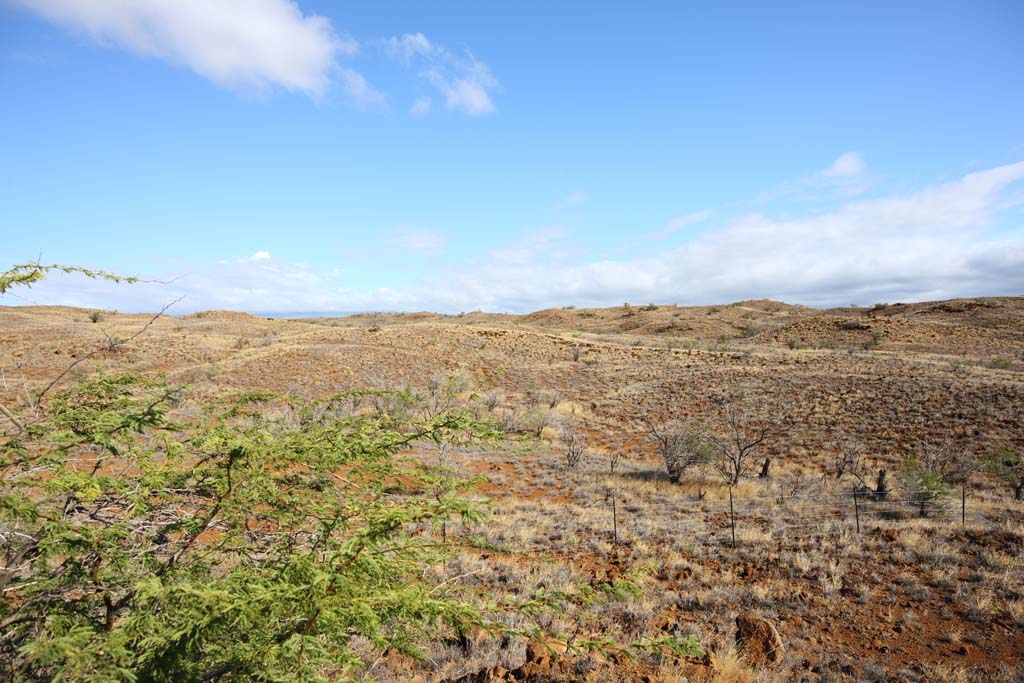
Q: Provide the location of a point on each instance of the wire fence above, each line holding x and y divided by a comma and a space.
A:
729, 521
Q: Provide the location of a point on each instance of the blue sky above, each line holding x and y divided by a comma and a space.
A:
284, 156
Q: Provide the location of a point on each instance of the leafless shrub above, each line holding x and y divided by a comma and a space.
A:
575, 446
442, 393
491, 401
954, 462
738, 435
848, 457
535, 420
508, 421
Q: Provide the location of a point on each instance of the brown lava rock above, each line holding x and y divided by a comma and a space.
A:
758, 639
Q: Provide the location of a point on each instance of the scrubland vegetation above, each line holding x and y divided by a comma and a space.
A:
575, 495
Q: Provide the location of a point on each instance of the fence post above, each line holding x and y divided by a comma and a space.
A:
856, 507
732, 517
963, 504
615, 527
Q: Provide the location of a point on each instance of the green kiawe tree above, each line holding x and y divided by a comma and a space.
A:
243, 544
925, 486
1007, 465
27, 274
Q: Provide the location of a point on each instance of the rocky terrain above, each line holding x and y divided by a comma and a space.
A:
797, 594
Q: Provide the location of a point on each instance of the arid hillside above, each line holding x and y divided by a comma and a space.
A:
905, 598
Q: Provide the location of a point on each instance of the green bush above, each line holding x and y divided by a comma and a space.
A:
925, 486
1007, 465
254, 543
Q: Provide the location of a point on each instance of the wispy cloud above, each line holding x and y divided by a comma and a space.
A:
932, 243
421, 107
848, 165
359, 89
464, 81
574, 199
417, 239
678, 223
845, 177
37, 58
239, 44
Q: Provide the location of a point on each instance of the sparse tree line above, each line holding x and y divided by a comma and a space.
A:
732, 444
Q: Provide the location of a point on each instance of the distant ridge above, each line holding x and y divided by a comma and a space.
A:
304, 314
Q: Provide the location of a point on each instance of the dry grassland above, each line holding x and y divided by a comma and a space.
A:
908, 598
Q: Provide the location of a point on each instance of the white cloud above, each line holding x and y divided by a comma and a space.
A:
930, 244
409, 46
845, 177
260, 256
234, 43
925, 245
573, 199
678, 223
463, 80
420, 107
417, 239
359, 89
261, 44
847, 165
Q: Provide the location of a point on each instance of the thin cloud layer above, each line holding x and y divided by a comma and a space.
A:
678, 223
847, 176
574, 199
419, 240
464, 81
234, 43
931, 244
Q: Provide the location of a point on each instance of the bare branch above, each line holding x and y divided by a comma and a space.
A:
114, 344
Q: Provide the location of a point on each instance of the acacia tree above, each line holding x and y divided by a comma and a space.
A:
1007, 465
928, 478
738, 437
680, 446
243, 545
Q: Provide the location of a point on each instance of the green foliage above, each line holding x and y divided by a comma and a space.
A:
751, 330
253, 543
1007, 465
28, 274
255, 539
925, 485
680, 447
